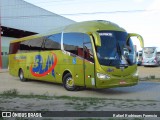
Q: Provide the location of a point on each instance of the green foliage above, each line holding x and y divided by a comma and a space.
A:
12, 92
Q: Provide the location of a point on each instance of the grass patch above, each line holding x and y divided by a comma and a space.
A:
64, 97
70, 103
15, 93
88, 100
12, 92
80, 106
150, 78
44, 96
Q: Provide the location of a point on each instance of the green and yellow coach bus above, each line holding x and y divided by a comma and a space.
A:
92, 54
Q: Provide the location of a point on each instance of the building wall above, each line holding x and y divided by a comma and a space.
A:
5, 43
21, 15
25, 16
5, 50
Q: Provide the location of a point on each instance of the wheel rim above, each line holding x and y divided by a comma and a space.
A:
69, 82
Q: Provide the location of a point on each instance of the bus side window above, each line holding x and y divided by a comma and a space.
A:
88, 52
31, 45
73, 42
36, 44
24, 46
132, 52
53, 42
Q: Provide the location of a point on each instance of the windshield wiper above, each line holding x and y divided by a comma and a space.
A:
120, 57
119, 51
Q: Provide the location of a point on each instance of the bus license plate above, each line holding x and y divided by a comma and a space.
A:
122, 82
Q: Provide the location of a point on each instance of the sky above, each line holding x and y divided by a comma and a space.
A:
135, 16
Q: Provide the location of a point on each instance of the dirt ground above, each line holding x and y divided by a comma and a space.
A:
53, 103
21, 103
63, 103
149, 72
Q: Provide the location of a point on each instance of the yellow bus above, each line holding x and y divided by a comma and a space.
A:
92, 54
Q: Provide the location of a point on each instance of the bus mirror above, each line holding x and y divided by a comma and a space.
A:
97, 38
138, 36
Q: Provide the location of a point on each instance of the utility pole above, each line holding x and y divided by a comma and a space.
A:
0, 42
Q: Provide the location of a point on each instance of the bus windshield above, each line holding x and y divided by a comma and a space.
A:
114, 50
149, 52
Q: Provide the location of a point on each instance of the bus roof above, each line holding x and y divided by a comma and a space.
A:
83, 27
92, 26
157, 48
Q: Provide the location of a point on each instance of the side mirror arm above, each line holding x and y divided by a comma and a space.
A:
138, 36
96, 38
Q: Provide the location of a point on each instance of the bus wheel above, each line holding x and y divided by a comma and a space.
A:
21, 75
68, 82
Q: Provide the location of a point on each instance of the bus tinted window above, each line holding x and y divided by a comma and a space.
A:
88, 52
36, 44
14, 47
31, 45
53, 42
73, 42
86, 38
24, 46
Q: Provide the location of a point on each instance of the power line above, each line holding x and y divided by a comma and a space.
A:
29, 16
24, 3
110, 12
60, 1
54, 1
74, 14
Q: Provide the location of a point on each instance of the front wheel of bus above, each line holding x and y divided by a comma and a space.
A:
21, 75
68, 82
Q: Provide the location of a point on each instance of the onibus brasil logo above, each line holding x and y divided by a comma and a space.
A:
37, 68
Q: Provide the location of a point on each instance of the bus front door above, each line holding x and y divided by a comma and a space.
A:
89, 70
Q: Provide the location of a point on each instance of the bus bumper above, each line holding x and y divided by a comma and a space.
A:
117, 82
150, 64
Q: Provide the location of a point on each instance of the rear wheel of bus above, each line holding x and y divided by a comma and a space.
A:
21, 75
68, 82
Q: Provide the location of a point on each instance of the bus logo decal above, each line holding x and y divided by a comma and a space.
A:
110, 70
20, 58
37, 70
74, 60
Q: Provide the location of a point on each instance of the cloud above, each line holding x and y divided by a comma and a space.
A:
139, 1
155, 5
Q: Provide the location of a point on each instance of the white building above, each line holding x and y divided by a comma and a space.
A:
19, 19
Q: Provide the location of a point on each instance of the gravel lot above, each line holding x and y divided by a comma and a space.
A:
8, 82
144, 96
149, 71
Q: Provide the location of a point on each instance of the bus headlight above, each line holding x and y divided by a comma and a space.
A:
102, 76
